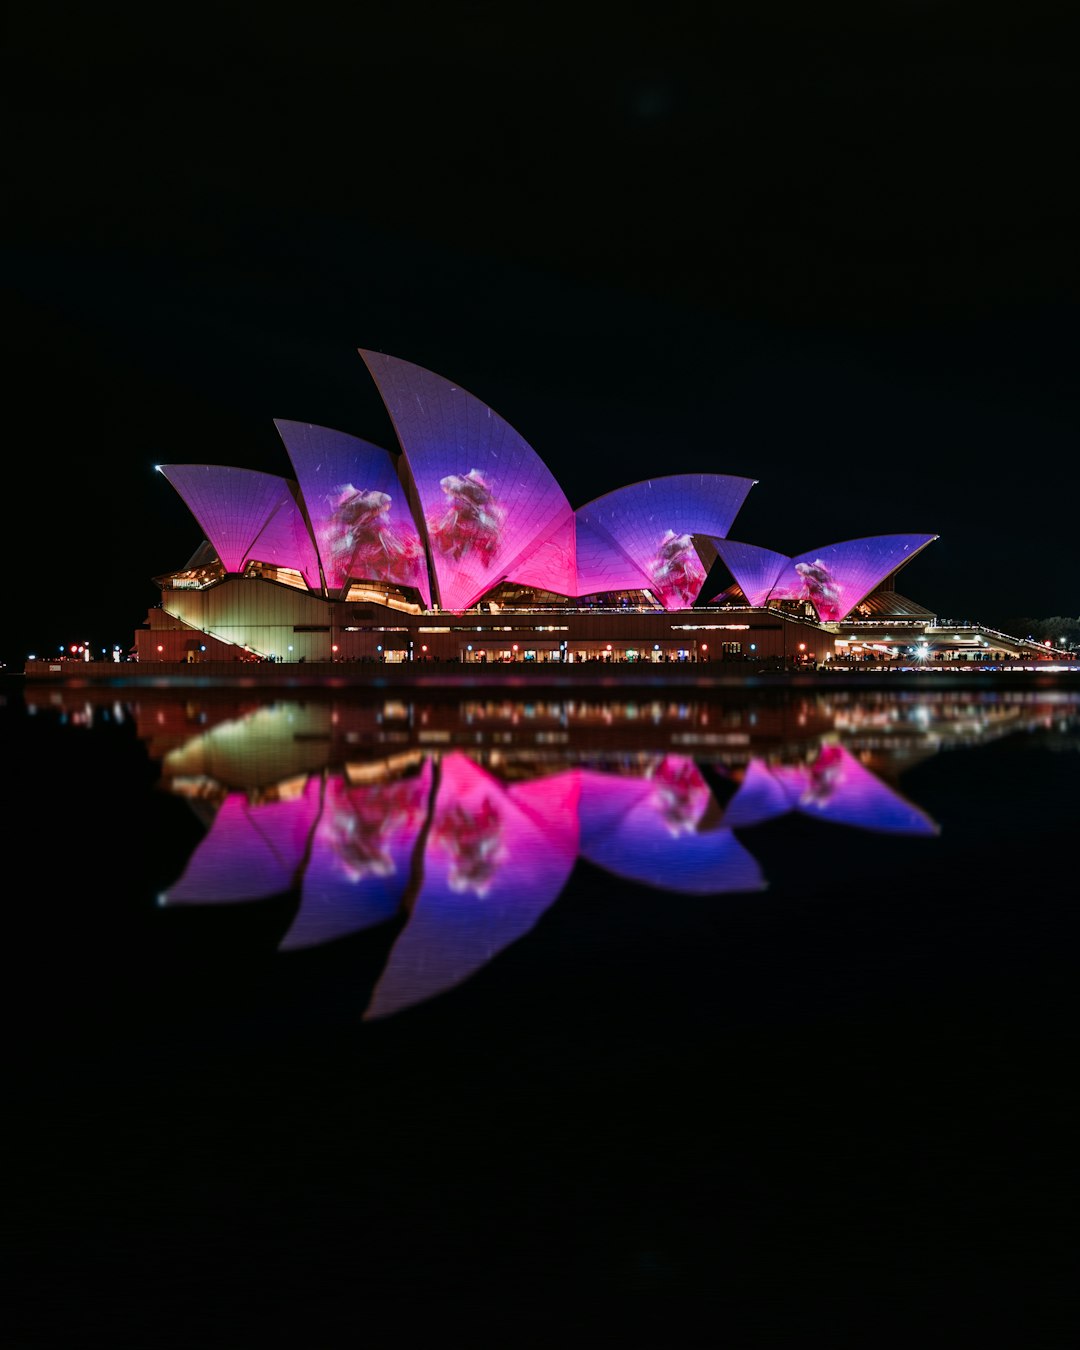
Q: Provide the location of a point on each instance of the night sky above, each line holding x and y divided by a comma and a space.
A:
831, 248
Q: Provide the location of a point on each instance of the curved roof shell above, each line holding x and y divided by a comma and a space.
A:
640, 537
357, 507
468, 504
834, 579
492, 511
247, 516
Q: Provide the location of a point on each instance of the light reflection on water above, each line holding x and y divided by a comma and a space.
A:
462, 819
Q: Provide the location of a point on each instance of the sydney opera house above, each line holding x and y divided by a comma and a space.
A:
458, 545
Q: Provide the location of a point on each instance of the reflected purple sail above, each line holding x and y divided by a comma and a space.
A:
834, 787
649, 829
361, 858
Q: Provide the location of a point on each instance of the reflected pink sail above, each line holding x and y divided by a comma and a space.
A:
495, 860
252, 850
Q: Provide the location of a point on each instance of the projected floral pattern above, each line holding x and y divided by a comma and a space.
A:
473, 841
676, 571
834, 578
472, 520
680, 794
361, 540
820, 587
362, 824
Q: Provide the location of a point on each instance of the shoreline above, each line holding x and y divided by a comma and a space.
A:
549, 675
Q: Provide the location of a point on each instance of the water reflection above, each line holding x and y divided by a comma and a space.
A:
462, 819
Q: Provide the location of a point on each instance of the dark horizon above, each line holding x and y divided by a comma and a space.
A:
831, 253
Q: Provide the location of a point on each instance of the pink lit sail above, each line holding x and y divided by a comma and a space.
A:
641, 537
247, 516
834, 579
491, 507
495, 860
357, 507
361, 858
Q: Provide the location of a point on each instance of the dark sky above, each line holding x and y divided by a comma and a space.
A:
833, 248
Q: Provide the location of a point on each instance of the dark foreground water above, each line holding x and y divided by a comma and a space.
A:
732, 1021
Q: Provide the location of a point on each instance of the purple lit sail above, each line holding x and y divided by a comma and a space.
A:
602, 565
834, 579
756, 569
641, 537
491, 507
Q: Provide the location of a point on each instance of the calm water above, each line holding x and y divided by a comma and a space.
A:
350, 1015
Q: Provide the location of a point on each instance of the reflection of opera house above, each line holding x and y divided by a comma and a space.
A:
453, 826
447, 826
463, 548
